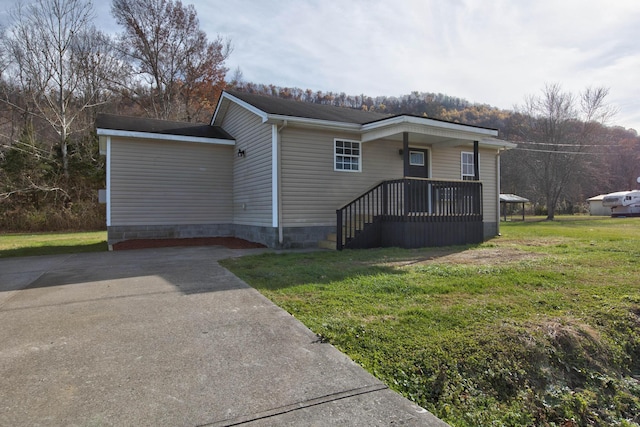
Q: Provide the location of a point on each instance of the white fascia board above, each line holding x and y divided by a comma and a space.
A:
313, 123
398, 120
496, 143
451, 136
163, 136
222, 103
482, 143
225, 96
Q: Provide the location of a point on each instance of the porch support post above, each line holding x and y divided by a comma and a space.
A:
476, 162
405, 151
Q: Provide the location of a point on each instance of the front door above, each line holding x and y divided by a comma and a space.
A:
418, 163
418, 191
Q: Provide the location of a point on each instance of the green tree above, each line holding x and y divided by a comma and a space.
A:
28, 172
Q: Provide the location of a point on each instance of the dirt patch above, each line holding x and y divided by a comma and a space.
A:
227, 242
484, 256
490, 256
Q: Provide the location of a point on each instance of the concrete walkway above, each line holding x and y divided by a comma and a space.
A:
167, 337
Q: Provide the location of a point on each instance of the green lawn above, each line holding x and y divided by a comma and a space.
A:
538, 327
51, 243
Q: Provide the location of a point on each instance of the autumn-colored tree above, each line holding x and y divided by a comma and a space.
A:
164, 43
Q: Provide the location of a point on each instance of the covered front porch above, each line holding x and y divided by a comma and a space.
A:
439, 201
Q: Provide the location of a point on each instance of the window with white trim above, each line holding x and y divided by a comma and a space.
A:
467, 166
347, 155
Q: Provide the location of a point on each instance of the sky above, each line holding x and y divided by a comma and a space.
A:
494, 52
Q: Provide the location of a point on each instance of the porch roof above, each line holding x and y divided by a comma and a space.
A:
512, 198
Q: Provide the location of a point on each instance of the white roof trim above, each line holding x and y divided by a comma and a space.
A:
163, 136
241, 103
316, 123
397, 120
495, 142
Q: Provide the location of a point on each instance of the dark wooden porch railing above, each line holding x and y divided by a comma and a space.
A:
412, 212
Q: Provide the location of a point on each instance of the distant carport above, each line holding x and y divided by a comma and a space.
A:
511, 199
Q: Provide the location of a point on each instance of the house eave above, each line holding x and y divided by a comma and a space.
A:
497, 143
161, 136
424, 121
312, 123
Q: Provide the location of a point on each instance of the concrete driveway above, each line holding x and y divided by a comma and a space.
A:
167, 337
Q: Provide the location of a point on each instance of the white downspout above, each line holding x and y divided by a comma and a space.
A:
498, 193
276, 179
108, 179
108, 183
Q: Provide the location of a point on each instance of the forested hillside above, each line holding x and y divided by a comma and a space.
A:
58, 70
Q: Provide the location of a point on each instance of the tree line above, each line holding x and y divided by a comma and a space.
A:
58, 70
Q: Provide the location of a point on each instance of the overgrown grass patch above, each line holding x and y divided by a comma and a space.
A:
51, 243
537, 327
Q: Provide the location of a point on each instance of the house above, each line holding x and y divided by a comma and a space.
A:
290, 174
596, 208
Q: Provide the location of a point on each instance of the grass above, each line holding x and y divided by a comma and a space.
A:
15, 245
538, 327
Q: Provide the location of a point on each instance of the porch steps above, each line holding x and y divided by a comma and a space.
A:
332, 238
329, 243
359, 221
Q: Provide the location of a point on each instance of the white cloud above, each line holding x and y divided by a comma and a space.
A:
488, 51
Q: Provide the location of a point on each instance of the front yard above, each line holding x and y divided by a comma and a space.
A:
538, 327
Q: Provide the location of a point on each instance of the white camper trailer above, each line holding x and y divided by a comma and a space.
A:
623, 203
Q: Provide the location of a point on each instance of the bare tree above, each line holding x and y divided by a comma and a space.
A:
167, 48
561, 130
59, 62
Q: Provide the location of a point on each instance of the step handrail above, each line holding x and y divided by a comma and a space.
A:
411, 199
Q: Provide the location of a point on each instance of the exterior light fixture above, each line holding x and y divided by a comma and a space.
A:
241, 153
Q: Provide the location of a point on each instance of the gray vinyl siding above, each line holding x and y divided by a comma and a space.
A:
165, 183
312, 190
251, 174
488, 176
447, 164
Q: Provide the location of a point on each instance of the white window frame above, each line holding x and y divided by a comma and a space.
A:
352, 156
471, 176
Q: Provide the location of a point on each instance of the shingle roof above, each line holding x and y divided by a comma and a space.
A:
286, 107
139, 124
292, 108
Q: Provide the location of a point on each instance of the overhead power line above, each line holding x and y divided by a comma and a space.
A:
568, 145
560, 152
